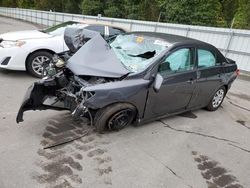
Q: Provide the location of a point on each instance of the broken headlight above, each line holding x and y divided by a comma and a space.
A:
60, 63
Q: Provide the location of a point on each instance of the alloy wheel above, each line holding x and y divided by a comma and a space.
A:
218, 98
120, 119
37, 64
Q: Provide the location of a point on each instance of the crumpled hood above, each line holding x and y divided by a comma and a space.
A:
23, 35
96, 58
76, 37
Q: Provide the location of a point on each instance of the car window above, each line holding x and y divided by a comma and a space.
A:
60, 28
115, 31
97, 28
178, 61
206, 58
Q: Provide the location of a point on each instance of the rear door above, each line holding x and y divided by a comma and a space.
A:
209, 76
178, 71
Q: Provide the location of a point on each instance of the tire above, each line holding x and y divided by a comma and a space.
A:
217, 99
34, 62
106, 118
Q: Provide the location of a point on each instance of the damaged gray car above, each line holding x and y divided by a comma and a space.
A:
135, 78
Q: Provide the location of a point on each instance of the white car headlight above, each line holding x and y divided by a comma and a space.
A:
9, 44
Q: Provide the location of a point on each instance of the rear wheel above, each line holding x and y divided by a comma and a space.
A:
217, 99
35, 62
114, 117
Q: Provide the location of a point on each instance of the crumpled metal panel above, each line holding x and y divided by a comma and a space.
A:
76, 37
96, 58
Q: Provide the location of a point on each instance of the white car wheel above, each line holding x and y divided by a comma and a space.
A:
35, 62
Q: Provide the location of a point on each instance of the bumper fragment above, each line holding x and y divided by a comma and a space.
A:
35, 98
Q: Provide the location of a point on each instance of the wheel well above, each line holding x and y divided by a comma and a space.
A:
226, 86
40, 50
136, 109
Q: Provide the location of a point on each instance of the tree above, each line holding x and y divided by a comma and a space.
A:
114, 8
132, 8
228, 11
26, 3
141, 9
9, 3
195, 12
92, 7
242, 18
55, 5
149, 10
72, 6
178, 11
208, 13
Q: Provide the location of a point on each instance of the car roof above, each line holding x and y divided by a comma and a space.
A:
170, 38
177, 40
102, 24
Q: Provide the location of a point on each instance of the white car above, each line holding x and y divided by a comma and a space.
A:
27, 50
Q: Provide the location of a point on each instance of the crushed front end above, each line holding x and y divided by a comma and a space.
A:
63, 91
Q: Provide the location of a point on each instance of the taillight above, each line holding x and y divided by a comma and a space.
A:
237, 72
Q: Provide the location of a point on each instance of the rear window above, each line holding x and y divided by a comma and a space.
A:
97, 28
60, 28
206, 58
115, 31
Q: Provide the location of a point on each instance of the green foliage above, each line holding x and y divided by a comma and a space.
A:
242, 18
9, 3
92, 7
219, 13
55, 5
194, 12
72, 6
141, 9
26, 3
132, 9
114, 8
228, 11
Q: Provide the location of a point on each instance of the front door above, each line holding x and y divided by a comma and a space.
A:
179, 74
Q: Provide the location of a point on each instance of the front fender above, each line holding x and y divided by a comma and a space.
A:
132, 91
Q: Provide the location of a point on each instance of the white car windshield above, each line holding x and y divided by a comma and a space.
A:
136, 52
60, 28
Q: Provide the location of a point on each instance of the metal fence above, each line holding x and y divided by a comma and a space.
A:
233, 43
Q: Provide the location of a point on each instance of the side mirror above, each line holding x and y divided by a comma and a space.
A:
158, 82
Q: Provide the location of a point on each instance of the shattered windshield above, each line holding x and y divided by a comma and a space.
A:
137, 52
